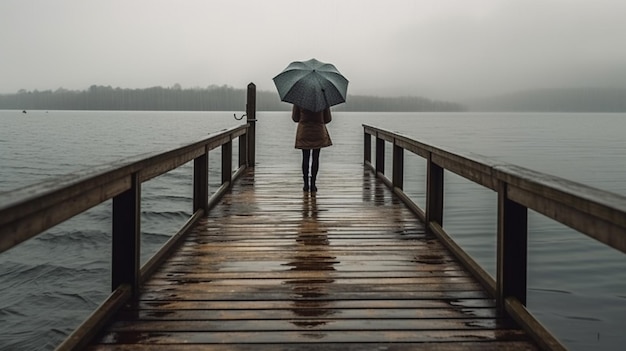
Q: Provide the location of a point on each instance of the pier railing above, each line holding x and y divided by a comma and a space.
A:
600, 215
28, 212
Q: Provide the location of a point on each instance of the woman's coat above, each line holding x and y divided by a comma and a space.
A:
311, 132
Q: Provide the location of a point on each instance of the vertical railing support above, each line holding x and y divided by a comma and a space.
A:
380, 155
201, 182
126, 237
243, 150
434, 192
367, 148
251, 119
512, 249
227, 162
398, 166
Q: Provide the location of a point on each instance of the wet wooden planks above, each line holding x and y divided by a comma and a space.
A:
348, 268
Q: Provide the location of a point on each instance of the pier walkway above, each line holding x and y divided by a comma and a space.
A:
260, 265
273, 268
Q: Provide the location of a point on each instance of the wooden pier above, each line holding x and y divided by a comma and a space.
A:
261, 265
348, 268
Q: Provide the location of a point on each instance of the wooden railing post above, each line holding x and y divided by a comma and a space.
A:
380, 155
434, 192
512, 249
126, 237
243, 150
227, 162
201, 182
251, 119
398, 166
367, 148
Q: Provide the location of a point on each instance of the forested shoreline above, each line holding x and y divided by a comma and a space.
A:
226, 98
212, 98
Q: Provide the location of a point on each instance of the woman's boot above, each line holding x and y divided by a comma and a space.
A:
306, 183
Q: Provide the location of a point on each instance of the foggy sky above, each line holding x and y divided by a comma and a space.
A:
433, 48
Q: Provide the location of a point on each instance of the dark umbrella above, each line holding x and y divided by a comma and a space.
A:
312, 85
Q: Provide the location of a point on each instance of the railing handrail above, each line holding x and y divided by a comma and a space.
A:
596, 213
599, 214
64, 197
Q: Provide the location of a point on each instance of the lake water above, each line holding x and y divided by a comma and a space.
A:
48, 285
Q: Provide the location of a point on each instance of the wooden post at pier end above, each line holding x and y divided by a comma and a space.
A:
251, 119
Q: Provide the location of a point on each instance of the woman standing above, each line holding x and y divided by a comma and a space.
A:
311, 136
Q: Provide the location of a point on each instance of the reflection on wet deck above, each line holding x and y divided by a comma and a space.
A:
274, 268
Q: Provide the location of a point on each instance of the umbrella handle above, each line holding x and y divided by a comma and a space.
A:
240, 118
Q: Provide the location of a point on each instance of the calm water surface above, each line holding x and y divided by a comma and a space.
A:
49, 284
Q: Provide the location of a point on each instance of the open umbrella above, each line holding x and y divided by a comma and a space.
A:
312, 85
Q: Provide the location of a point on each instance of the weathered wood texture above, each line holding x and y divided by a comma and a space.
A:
349, 268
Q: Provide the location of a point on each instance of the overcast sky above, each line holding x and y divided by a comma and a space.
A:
432, 48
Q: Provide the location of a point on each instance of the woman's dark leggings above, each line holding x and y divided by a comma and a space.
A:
315, 165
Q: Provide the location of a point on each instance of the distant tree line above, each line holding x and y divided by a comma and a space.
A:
109, 98
587, 99
212, 98
397, 104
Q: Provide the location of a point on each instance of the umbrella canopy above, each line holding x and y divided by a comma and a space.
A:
312, 85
